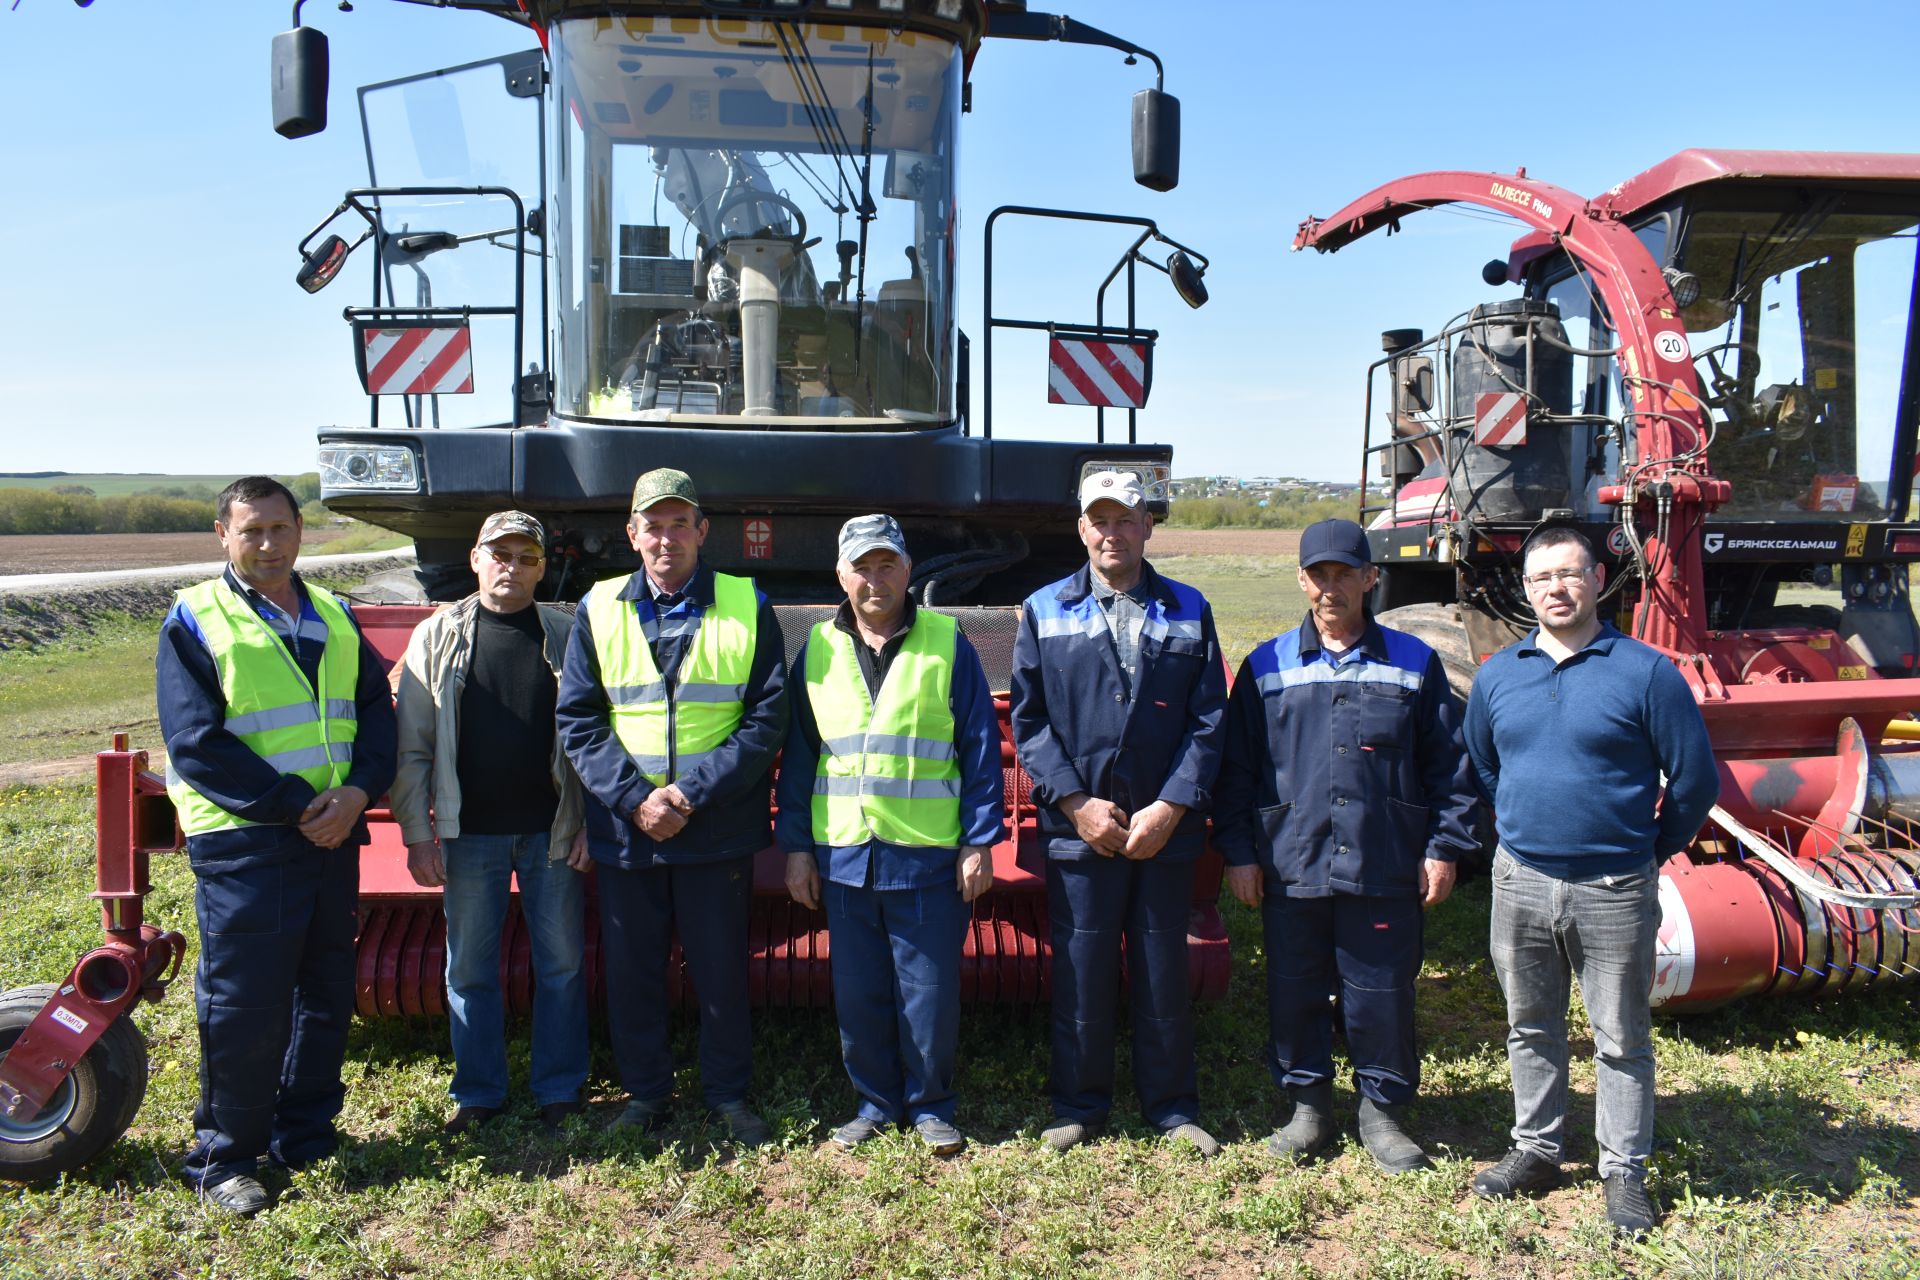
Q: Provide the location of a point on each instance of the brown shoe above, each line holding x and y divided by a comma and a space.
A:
554, 1114
466, 1118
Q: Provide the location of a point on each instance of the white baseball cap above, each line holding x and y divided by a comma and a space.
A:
1122, 487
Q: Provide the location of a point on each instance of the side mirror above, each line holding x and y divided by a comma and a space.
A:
299, 82
1156, 140
319, 266
1186, 280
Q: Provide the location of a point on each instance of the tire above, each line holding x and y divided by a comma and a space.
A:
443, 580
92, 1107
1441, 627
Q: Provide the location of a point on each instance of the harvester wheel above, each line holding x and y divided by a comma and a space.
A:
1441, 627
92, 1107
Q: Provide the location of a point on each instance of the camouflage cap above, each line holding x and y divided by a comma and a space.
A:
502, 523
869, 533
660, 484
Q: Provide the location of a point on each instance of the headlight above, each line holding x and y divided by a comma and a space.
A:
368, 466
1155, 477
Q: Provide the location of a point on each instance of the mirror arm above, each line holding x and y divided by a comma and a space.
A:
1051, 26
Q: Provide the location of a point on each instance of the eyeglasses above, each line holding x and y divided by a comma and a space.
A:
1554, 577
506, 558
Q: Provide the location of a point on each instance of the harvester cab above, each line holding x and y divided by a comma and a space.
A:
1713, 370
722, 237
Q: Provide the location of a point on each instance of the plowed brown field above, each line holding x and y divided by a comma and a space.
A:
86, 552
1225, 542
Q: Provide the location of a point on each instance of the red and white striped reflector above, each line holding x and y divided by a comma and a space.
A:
1499, 419
417, 359
1106, 372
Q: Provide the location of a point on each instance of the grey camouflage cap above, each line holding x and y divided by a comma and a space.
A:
867, 533
503, 523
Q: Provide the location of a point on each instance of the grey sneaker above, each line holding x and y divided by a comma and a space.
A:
1519, 1173
648, 1115
1628, 1208
1064, 1135
241, 1195
1202, 1141
941, 1138
855, 1131
743, 1126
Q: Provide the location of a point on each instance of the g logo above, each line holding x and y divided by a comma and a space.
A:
1712, 543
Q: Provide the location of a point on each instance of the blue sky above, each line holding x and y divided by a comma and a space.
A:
150, 320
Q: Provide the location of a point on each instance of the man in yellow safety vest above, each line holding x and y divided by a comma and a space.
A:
672, 705
890, 803
280, 731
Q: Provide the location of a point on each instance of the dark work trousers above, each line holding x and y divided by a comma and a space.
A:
274, 995
639, 913
1093, 904
896, 990
1372, 948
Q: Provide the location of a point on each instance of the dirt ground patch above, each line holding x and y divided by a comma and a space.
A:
1225, 542
85, 552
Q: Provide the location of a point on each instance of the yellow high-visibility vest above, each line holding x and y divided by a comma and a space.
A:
271, 706
888, 768
667, 731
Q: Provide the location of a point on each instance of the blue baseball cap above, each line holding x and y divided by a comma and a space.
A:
1339, 540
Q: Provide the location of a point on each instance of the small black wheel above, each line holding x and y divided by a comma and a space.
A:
92, 1107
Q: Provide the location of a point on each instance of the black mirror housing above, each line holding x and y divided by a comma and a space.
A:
319, 267
1156, 140
300, 82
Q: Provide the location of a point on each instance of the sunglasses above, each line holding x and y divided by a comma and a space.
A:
505, 558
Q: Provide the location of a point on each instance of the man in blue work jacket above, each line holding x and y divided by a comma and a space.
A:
891, 793
672, 705
1118, 697
1572, 731
1344, 800
280, 731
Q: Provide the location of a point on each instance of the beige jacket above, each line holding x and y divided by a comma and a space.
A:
427, 688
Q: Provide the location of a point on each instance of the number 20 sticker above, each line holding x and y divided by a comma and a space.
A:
1671, 346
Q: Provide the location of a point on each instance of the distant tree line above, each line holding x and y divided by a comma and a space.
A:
1292, 509
74, 508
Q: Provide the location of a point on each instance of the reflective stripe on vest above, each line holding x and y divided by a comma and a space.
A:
271, 706
667, 732
888, 769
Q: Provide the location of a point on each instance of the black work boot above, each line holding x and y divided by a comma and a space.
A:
1386, 1141
1310, 1132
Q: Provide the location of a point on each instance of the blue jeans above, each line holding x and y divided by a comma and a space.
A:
1603, 931
552, 904
896, 991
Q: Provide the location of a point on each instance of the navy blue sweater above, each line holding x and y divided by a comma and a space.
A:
1571, 753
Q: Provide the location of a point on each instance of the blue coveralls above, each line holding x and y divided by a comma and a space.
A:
1342, 772
700, 882
1078, 727
273, 988
895, 917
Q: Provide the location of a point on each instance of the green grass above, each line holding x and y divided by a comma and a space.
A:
66, 699
361, 536
1254, 597
1787, 1141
